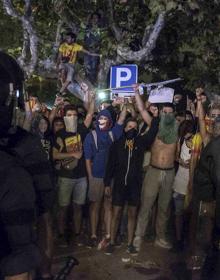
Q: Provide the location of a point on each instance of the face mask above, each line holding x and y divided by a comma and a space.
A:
131, 133
71, 123
103, 124
168, 129
168, 118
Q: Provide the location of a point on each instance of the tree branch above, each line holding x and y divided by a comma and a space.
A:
23, 56
7, 5
145, 52
29, 34
27, 8
58, 33
147, 32
114, 27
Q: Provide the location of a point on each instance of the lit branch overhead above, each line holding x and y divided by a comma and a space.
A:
145, 52
30, 39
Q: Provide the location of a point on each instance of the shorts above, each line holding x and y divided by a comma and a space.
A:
129, 194
75, 189
179, 200
96, 189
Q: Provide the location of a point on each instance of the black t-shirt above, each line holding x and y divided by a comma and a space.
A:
80, 170
72, 141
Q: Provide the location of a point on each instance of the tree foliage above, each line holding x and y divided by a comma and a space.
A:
187, 45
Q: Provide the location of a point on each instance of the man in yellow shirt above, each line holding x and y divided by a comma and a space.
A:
68, 50
67, 59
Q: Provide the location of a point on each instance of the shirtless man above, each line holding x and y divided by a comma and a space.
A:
159, 178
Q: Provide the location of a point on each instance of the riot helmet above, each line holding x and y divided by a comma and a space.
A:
11, 92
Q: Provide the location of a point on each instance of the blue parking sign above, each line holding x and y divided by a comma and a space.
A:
123, 76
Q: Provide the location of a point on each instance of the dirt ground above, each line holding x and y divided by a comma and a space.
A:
152, 263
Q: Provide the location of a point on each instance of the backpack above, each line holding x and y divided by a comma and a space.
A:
94, 134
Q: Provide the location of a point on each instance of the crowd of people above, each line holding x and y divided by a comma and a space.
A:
130, 161
120, 168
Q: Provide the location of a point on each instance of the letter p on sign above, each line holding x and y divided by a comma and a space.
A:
122, 78
123, 75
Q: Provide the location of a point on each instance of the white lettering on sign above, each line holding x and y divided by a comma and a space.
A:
121, 77
162, 95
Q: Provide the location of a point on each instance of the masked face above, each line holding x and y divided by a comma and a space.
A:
168, 128
131, 130
71, 123
103, 123
131, 133
167, 118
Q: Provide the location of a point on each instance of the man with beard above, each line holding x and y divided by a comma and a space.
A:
159, 178
125, 168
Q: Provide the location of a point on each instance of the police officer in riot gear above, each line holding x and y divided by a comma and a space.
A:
26, 185
207, 192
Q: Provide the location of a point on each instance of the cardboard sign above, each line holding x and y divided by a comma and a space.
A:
162, 95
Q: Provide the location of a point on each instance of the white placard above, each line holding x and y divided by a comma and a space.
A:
162, 95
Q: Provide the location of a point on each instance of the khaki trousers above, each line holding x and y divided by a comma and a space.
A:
159, 183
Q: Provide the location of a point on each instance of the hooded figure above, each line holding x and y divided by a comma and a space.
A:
103, 132
96, 149
125, 167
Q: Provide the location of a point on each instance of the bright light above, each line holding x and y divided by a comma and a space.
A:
101, 94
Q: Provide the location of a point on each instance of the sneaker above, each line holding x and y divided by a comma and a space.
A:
92, 242
195, 262
132, 250
62, 241
162, 243
109, 249
137, 243
103, 243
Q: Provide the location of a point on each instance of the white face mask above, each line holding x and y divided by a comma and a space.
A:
102, 124
71, 123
